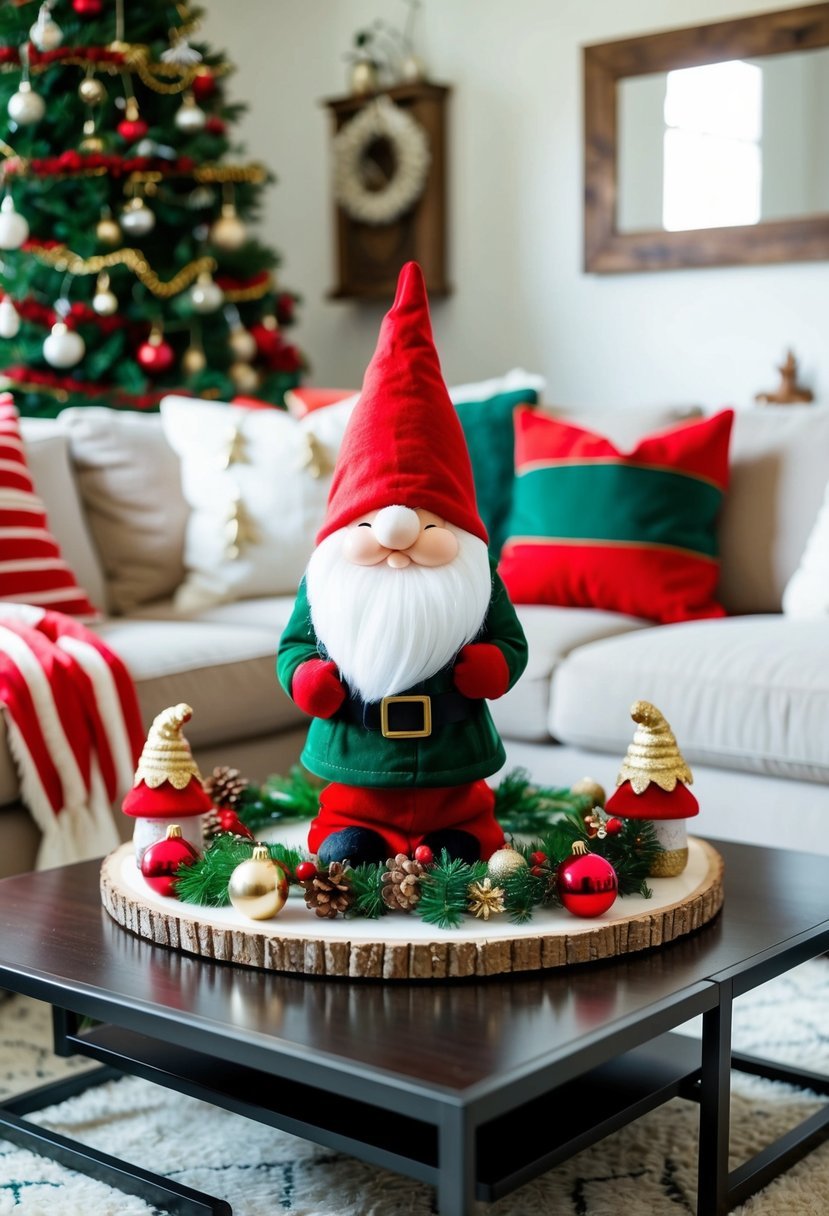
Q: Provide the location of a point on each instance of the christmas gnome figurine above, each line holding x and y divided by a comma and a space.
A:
653, 784
167, 788
402, 629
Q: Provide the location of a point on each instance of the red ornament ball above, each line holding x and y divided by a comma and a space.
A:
155, 357
305, 871
538, 858
204, 85
88, 8
587, 884
215, 125
614, 826
424, 855
132, 129
162, 859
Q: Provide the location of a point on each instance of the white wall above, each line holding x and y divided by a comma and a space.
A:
711, 336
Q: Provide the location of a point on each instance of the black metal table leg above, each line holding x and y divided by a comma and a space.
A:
715, 1107
456, 1161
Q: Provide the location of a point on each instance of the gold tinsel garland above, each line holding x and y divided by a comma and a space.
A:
136, 58
64, 260
253, 174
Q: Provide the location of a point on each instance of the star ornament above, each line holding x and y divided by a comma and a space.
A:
484, 899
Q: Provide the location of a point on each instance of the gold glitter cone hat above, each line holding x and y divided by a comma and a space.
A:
167, 780
654, 754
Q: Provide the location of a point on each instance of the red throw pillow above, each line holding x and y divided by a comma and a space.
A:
32, 570
631, 532
302, 401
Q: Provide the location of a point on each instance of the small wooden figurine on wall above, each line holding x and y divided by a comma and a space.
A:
788, 392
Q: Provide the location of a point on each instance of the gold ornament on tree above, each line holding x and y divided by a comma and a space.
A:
91, 90
228, 232
108, 230
246, 379
258, 887
104, 302
242, 343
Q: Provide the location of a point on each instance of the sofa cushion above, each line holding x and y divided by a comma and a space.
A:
748, 693
806, 594
33, 569
626, 531
226, 672
523, 713
129, 478
255, 511
779, 470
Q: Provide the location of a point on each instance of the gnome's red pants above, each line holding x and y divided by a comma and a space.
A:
404, 816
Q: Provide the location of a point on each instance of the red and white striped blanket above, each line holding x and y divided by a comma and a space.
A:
74, 729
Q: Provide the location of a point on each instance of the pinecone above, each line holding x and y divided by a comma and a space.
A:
225, 786
210, 825
401, 883
329, 892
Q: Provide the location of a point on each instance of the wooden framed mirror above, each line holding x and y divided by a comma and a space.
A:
707, 146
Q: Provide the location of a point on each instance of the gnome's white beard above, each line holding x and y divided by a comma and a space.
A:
389, 629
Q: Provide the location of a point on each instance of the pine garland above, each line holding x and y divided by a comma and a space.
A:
526, 809
280, 800
367, 885
445, 890
205, 882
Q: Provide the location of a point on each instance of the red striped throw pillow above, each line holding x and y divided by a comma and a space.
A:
631, 532
32, 570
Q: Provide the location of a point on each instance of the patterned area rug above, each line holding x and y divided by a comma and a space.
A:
647, 1169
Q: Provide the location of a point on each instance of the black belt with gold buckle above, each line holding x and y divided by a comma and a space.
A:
409, 716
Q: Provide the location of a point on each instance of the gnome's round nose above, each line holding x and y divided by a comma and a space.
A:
396, 527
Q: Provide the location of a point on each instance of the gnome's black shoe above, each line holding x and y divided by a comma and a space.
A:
357, 844
461, 846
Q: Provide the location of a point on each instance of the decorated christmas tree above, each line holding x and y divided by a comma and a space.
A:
128, 268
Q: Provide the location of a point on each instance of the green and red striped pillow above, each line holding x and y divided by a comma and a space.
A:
631, 532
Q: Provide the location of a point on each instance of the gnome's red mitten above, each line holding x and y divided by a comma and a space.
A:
481, 671
317, 689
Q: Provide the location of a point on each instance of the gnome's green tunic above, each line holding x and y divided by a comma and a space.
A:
456, 752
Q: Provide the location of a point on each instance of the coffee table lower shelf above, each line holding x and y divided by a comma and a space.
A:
554, 1126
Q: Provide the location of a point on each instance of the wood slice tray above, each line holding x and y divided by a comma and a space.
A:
401, 946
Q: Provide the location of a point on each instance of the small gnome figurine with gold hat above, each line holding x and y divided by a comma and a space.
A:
653, 784
168, 787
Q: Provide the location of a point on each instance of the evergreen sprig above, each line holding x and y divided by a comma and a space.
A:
444, 896
205, 881
527, 809
367, 885
280, 799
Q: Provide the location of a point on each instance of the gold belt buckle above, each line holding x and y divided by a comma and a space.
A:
423, 700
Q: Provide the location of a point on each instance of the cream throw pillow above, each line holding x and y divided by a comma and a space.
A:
806, 594
257, 483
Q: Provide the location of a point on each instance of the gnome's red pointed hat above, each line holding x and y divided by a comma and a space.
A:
654, 778
404, 445
167, 779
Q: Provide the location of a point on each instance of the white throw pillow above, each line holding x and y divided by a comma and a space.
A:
276, 489
806, 594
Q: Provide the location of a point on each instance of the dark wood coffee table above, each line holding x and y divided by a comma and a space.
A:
473, 1086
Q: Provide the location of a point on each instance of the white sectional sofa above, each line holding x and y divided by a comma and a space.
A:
747, 696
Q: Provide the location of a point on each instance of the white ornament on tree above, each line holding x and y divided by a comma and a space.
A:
228, 232
136, 218
105, 302
25, 106
14, 229
190, 117
205, 295
9, 319
46, 34
63, 348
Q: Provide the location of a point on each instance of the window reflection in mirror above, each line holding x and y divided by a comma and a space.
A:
725, 144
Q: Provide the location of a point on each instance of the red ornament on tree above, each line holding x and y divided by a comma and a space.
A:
215, 125
162, 859
88, 8
204, 85
587, 884
155, 356
132, 129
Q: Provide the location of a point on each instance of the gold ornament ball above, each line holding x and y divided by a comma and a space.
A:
108, 232
591, 789
258, 887
242, 343
91, 143
245, 378
193, 361
504, 862
228, 232
91, 91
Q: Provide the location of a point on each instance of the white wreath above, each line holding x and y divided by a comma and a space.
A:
410, 145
